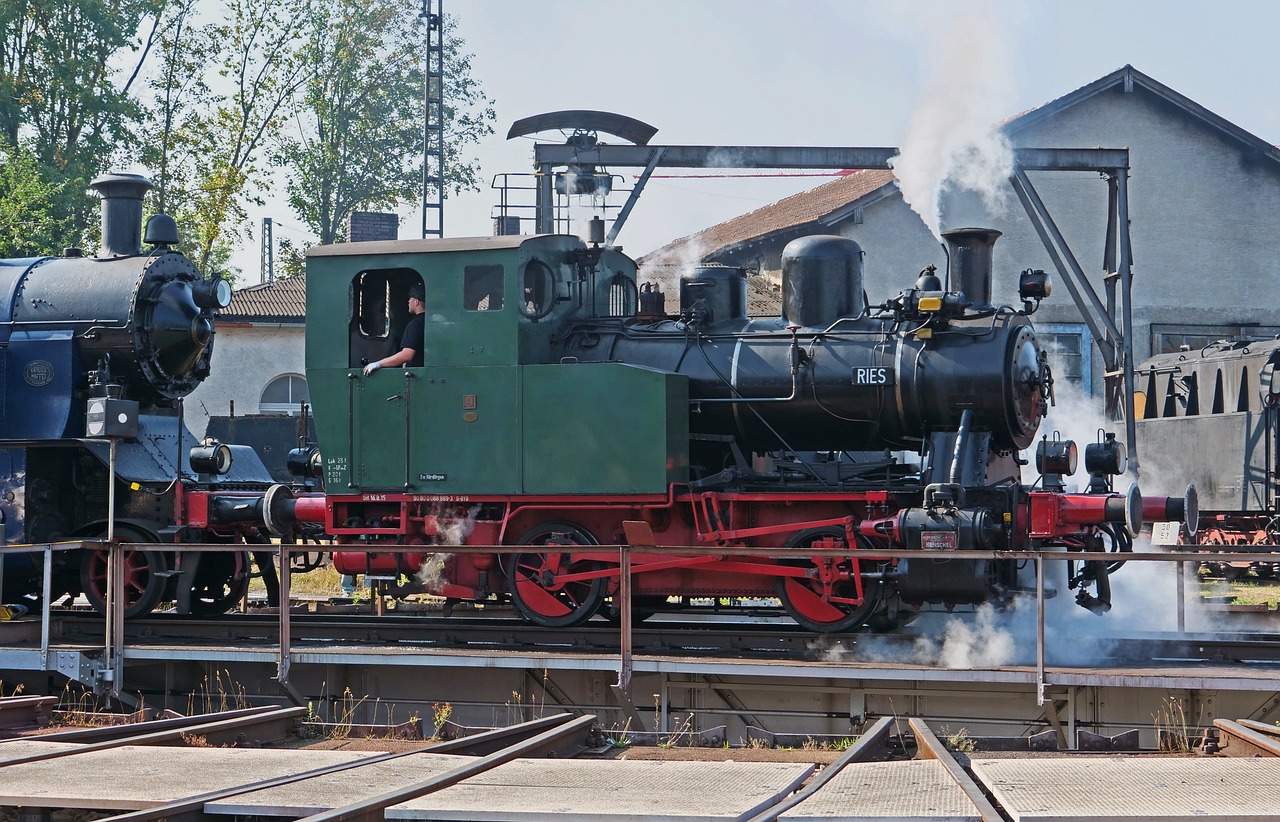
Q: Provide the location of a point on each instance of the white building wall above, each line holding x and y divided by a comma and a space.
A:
245, 359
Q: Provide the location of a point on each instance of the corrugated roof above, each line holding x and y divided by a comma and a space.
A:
281, 301
797, 210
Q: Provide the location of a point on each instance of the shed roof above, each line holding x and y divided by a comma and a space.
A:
279, 301
826, 203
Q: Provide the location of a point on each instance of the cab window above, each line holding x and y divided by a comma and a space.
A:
482, 288
379, 312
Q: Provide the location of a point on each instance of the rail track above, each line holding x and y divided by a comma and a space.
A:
711, 638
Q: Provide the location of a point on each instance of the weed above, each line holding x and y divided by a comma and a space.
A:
344, 711
195, 740
624, 739
221, 693
17, 689
1171, 727
441, 712
758, 744
958, 741
682, 729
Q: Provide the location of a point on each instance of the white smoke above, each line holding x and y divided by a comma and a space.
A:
951, 144
450, 530
431, 573
1077, 417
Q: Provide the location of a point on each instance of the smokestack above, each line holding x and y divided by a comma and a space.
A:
970, 253
121, 213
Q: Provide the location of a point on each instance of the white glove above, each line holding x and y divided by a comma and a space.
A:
371, 367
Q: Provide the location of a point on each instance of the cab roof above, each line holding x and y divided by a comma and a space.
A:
421, 246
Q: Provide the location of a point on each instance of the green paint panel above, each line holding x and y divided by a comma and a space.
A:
462, 423
635, 442
468, 432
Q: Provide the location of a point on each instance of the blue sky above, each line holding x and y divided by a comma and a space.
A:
824, 72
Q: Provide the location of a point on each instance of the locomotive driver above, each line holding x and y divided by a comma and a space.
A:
412, 341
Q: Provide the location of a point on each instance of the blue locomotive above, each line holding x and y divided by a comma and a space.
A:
95, 348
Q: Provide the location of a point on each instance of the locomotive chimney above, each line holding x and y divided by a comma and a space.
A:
121, 213
970, 252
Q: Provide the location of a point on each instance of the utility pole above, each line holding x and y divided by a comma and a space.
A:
433, 120
267, 262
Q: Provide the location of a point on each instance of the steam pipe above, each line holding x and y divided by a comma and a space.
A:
962, 444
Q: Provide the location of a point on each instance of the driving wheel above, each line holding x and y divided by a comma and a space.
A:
145, 574
539, 589
826, 600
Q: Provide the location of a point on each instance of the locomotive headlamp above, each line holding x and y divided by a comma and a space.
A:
111, 417
1034, 284
215, 293
210, 457
305, 462
1108, 457
1056, 456
930, 304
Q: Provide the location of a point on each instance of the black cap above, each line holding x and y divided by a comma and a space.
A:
417, 292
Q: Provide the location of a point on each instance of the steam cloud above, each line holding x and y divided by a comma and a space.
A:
950, 144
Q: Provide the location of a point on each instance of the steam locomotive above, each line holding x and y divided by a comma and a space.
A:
1216, 408
96, 350
561, 401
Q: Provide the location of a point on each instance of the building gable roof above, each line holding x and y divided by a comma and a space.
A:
1128, 78
279, 301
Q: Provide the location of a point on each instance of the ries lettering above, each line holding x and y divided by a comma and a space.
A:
881, 375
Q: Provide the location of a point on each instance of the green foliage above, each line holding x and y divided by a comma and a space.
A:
209, 124
64, 100
290, 258
206, 135
27, 225
359, 140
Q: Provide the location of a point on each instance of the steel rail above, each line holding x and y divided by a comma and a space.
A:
474, 745
1260, 727
278, 715
653, 638
19, 711
869, 744
1239, 740
930, 747
372, 809
137, 729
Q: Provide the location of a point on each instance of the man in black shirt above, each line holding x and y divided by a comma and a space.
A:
411, 342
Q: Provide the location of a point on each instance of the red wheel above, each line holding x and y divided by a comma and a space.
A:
538, 590
826, 600
145, 575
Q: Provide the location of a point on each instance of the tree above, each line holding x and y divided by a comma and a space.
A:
208, 138
27, 227
61, 99
359, 138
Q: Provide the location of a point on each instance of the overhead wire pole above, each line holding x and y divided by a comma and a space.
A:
433, 119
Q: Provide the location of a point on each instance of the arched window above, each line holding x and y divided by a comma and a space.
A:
284, 395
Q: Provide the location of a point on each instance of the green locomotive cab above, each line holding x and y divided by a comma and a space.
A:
490, 412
